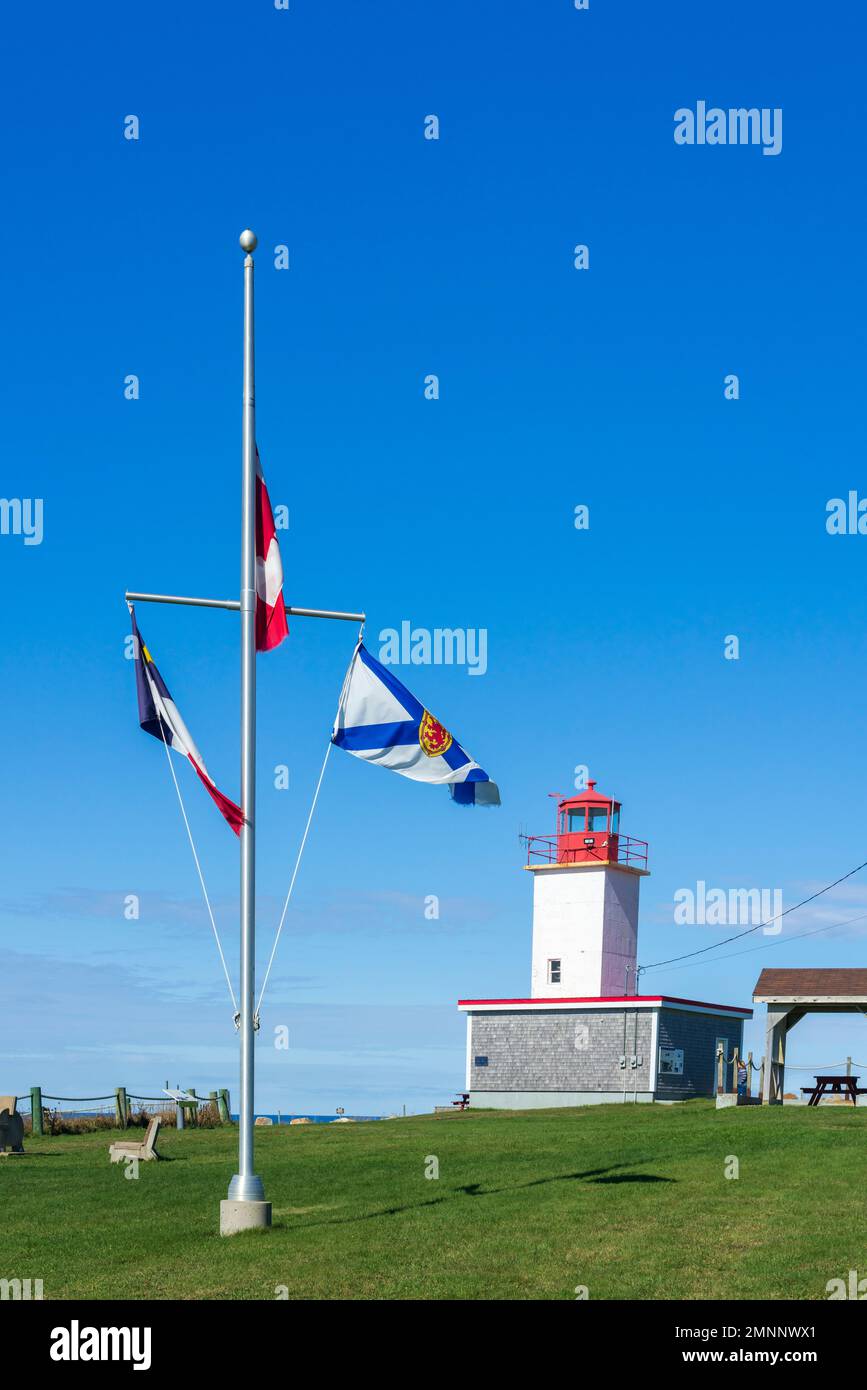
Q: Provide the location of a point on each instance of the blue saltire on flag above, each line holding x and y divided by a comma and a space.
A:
379, 721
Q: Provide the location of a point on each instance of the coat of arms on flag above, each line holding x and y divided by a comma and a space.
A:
380, 721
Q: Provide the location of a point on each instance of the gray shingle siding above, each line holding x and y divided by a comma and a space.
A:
532, 1050
697, 1035
570, 1051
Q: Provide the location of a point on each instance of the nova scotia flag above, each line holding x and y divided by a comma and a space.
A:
380, 721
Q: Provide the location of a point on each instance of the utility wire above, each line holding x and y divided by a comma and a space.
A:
749, 931
780, 941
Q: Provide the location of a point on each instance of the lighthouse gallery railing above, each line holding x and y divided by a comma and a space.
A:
619, 849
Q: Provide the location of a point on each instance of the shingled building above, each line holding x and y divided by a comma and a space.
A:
584, 1035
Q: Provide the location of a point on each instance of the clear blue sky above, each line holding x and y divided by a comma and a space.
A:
558, 387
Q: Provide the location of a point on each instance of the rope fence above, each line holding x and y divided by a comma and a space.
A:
744, 1087
117, 1105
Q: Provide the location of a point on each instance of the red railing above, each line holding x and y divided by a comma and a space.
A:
620, 849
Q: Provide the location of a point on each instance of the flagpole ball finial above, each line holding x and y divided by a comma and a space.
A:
249, 241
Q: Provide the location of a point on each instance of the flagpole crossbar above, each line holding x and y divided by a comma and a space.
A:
234, 603
177, 598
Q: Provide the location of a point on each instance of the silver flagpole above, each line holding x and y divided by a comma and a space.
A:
246, 1206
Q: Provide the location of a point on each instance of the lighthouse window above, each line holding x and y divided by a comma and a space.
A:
598, 818
553, 972
577, 820
615, 820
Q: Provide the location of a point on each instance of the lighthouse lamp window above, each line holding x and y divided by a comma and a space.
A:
577, 820
553, 972
598, 818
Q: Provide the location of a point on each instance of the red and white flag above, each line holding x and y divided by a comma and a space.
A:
271, 625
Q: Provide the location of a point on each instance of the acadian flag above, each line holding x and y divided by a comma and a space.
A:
158, 715
271, 625
378, 720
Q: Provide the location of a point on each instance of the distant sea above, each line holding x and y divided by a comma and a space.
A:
314, 1119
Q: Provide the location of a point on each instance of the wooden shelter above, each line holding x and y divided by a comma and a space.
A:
789, 995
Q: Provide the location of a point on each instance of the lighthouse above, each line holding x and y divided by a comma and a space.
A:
585, 1034
586, 879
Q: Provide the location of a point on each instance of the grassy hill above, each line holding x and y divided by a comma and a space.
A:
631, 1201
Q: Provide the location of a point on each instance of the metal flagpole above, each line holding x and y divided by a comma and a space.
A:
246, 1206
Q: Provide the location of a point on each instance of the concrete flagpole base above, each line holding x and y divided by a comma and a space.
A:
244, 1216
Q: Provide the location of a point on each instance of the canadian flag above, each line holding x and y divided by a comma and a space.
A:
271, 625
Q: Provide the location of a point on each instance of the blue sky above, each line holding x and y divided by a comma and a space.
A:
557, 388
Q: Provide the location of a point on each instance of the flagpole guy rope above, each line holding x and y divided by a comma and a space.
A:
306, 830
294, 876
201, 875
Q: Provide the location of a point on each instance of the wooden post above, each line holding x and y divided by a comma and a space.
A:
735, 1060
36, 1111
848, 1066
121, 1109
193, 1112
749, 1075
223, 1106
720, 1072
762, 1081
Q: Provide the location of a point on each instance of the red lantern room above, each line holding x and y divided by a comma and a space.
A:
588, 832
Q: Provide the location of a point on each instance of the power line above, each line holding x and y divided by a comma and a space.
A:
781, 941
759, 925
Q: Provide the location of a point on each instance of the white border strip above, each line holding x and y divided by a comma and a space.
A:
595, 1005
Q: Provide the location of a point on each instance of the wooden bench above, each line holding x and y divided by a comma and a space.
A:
145, 1150
11, 1127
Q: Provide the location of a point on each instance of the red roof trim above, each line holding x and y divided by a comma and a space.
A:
617, 999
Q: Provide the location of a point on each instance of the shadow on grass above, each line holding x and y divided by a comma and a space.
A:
589, 1175
634, 1177
595, 1175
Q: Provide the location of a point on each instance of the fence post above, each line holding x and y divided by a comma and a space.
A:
36, 1111
223, 1106
121, 1109
735, 1060
762, 1082
720, 1071
749, 1075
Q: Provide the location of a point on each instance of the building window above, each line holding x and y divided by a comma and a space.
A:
598, 818
577, 820
553, 972
480, 1061
615, 820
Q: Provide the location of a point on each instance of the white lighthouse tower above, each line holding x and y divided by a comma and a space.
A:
586, 1035
585, 902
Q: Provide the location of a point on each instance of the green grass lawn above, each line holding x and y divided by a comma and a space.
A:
630, 1201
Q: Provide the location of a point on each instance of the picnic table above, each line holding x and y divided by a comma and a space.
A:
836, 1085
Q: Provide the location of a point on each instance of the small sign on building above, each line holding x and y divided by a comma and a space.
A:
671, 1061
